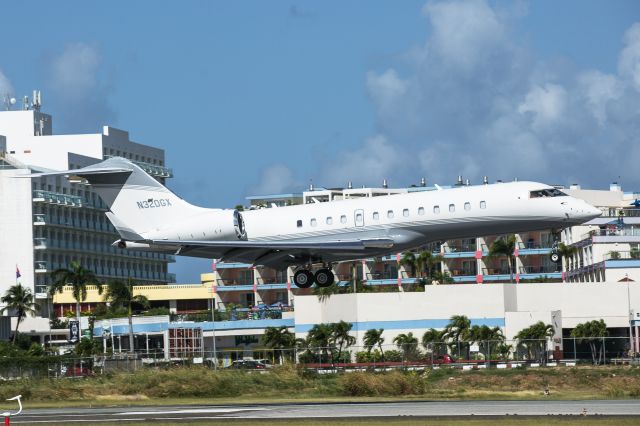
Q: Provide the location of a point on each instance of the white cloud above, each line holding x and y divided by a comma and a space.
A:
81, 90
464, 32
599, 88
546, 103
376, 159
629, 62
5, 86
473, 100
74, 71
276, 179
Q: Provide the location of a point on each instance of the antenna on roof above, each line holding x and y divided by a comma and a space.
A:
423, 182
485, 180
385, 184
349, 185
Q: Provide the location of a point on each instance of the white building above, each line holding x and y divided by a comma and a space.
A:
46, 223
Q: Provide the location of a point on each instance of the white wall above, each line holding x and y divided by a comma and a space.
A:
516, 306
16, 229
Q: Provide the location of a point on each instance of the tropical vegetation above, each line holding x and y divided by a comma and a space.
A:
79, 278
593, 333
19, 301
120, 295
505, 246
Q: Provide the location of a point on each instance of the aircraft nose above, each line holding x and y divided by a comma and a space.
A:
588, 212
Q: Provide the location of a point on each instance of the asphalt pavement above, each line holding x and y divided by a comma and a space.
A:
328, 410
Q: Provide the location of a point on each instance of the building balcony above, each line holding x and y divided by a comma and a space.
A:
40, 267
57, 198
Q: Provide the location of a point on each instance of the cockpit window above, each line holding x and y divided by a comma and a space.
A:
553, 192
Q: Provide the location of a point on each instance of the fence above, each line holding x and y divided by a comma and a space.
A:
462, 354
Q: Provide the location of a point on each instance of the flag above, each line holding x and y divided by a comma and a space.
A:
17, 272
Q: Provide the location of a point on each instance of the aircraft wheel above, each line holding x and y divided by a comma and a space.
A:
555, 257
324, 277
303, 278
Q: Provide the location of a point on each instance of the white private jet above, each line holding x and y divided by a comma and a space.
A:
148, 216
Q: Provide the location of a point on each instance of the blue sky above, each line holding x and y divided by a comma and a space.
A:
253, 96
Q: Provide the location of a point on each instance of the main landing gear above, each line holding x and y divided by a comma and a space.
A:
304, 278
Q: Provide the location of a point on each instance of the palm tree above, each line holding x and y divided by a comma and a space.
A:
566, 252
373, 337
340, 336
319, 339
79, 278
426, 261
458, 330
409, 259
505, 246
324, 293
487, 338
433, 341
19, 299
121, 294
279, 338
592, 332
534, 339
408, 344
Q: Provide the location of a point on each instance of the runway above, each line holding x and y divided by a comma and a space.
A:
330, 410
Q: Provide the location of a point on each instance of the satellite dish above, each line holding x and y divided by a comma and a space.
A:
12, 101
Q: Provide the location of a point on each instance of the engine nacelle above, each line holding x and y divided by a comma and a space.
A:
210, 225
129, 245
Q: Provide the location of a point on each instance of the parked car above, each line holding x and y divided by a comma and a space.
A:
247, 364
444, 359
267, 362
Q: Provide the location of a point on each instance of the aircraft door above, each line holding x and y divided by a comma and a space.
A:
359, 217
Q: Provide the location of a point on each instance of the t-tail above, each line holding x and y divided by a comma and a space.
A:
142, 209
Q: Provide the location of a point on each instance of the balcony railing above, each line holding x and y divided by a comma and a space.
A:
539, 269
623, 255
57, 198
459, 248
625, 213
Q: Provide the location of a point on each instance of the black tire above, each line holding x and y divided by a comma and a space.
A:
555, 257
303, 279
324, 277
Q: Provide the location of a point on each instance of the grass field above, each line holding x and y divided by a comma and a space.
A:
201, 385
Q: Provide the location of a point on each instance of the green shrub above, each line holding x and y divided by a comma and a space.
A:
395, 383
393, 355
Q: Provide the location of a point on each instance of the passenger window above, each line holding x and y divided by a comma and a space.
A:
467, 206
329, 220
299, 224
421, 211
314, 222
405, 212
359, 217
436, 209
376, 216
452, 208
390, 214
483, 204
343, 219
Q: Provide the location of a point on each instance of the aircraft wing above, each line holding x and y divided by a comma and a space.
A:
274, 252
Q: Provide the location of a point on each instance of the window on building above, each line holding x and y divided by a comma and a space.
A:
329, 220
405, 212
483, 204
314, 222
390, 214
299, 224
420, 211
452, 208
376, 216
467, 206
436, 209
343, 219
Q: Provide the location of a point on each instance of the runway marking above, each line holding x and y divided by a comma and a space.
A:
188, 411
